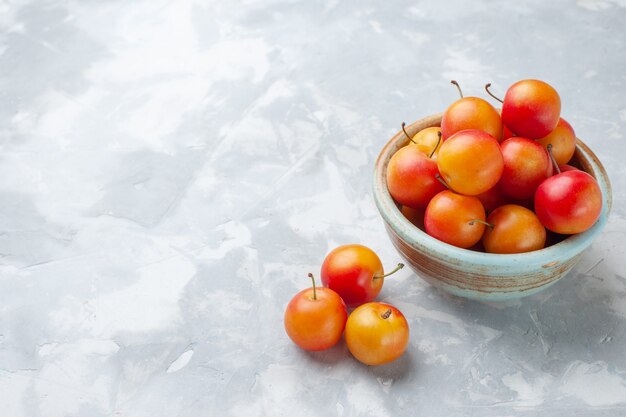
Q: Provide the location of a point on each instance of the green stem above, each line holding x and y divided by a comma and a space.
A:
397, 268
314, 292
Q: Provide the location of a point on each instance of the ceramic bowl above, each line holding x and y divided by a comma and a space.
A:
478, 275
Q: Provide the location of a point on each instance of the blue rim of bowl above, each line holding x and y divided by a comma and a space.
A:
420, 240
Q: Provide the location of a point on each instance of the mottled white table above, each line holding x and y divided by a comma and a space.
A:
171, 171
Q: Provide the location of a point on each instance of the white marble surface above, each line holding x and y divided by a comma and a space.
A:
170, 172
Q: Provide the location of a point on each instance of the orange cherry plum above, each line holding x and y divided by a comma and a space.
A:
470, 162
563, 141
415, 216
455, 219
531, 108
377, 333
513, 229
427, 140
569, 202
526, 165
471, 113
493, 198
315, 318
355, 272
411, 177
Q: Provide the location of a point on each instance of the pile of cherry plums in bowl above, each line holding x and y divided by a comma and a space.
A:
492, 204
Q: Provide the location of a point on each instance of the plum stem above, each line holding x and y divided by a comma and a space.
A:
556, 166
442, 181
386, 314
396, 269
406, 134
437, 145
458, 87
489, 225
489, 92
314, 292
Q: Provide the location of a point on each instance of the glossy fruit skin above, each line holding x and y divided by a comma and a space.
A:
415, 216
373, 339
563, 140
349, 270
411, 177
566, 167
470, 162
493, 198
506, 133
569, 202
471, 113
448, 218
315, 324
426, 140
531, 108
515, 230
526, 165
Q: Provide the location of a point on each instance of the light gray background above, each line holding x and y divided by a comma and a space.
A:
170, 171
